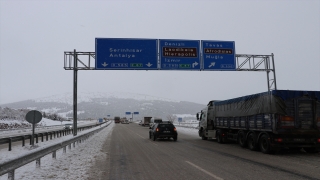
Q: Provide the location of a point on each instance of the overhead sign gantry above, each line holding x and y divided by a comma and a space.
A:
165, 54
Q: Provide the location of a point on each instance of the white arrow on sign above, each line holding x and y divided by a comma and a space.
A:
104, 64
149, 65
212, 64
194, 64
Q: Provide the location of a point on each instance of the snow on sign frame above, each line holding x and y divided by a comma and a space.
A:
126, 54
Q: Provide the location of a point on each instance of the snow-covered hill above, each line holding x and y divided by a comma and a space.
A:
91, 105
90, 96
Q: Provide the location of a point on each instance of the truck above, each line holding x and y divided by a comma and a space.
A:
117, 119
155, 120
268, 121
146, 121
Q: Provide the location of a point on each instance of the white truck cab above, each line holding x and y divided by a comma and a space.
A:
206, 123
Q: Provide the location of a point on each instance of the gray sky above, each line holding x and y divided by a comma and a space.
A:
35, 34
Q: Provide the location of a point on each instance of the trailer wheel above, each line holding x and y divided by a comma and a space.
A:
219, 138
265, 144
252, 142
242, 139
203, 137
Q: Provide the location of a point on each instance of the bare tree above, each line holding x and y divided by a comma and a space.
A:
171, 118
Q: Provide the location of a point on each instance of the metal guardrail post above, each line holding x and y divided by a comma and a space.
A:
64, 149
23, 140
36, 138
11, 175
54, 154
10, 144
38, 162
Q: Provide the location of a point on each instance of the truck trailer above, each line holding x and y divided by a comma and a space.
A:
117, 119
268, 121
146, 121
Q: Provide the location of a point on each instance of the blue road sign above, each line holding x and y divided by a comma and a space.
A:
219, 55
126, 54
179, 54
135, 112
128, 113
179, 119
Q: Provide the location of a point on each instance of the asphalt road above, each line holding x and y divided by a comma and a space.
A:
132, 155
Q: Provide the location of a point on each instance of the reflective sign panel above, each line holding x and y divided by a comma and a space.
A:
219, 55
126, 54
179, 54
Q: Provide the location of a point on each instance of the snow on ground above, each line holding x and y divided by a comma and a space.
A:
74, 164
44, 123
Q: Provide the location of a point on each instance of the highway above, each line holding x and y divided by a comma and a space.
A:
132, 155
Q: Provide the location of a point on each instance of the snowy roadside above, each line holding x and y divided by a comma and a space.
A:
44, 124
72, 165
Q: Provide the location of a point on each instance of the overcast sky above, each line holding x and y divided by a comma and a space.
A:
35, 34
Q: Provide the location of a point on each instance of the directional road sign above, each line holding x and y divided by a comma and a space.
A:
179, 54
126, 54
135, 112
219, 55
128, 113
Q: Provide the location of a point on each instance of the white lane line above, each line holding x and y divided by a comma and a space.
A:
210, 174
146, 138
141, 136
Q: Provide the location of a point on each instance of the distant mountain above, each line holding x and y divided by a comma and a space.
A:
100, 105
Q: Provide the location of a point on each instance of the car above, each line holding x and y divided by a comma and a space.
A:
164, 129
68, 126
125, 122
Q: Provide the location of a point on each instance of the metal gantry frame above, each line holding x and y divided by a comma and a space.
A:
75, 61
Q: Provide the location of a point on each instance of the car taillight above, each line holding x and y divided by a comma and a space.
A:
318, 140
175, 129
278, 139
286, 121
157, 129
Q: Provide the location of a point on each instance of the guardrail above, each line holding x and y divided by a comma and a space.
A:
10, 166
188, 125
54, 134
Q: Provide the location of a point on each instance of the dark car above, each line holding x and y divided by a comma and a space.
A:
163, 130
68, 126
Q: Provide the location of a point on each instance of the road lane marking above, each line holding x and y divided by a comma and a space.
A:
141, 136
146, 138
210, 174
